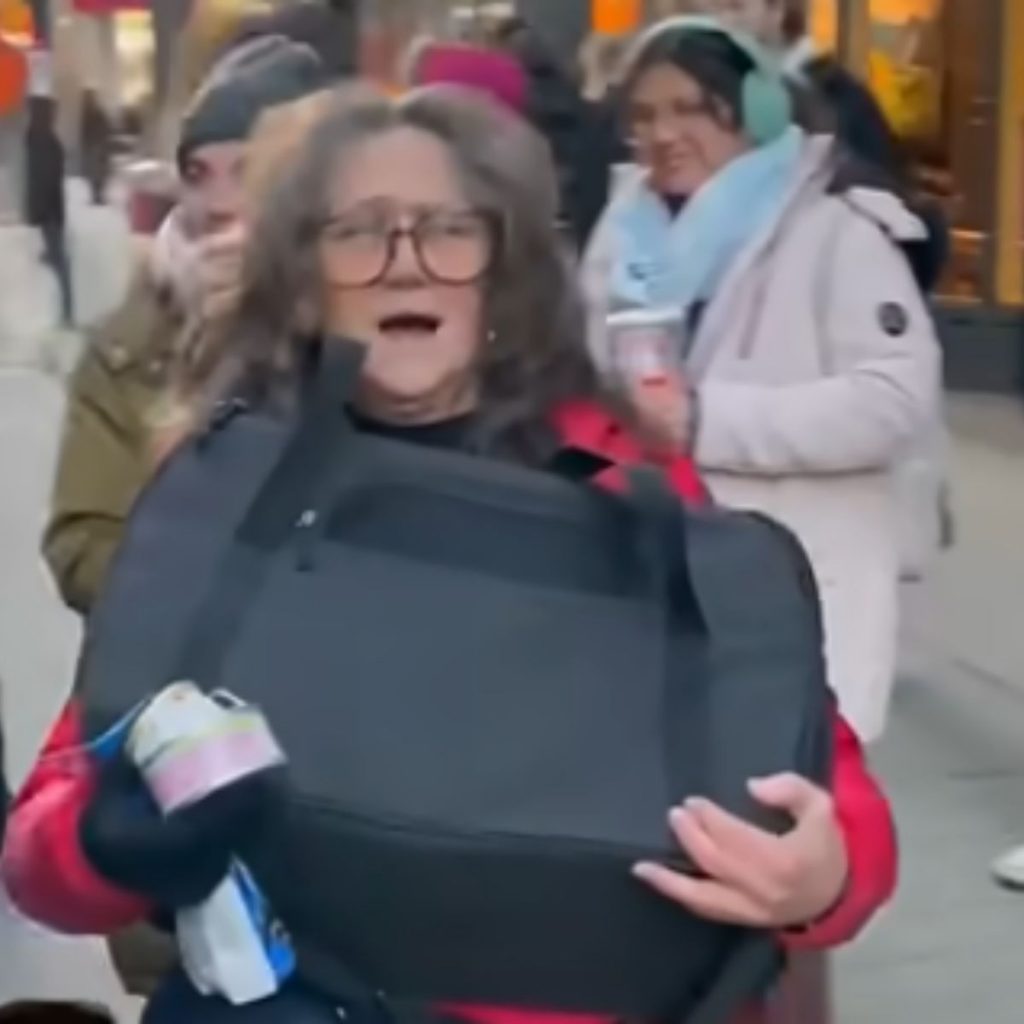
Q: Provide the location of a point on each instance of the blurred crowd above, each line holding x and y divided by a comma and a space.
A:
494, 236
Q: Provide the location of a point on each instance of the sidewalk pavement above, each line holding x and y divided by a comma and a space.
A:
967, 618
949, 948
100, 251
38, 648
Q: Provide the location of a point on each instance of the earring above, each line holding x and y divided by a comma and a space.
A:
492, 336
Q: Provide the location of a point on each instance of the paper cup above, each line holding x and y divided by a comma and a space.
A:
647, 345
187, 745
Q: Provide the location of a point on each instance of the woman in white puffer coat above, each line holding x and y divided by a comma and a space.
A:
811, 364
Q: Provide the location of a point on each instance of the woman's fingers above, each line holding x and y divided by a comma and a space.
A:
731, 832
790, 793
708, 899
712, 859
757, 862
753, 876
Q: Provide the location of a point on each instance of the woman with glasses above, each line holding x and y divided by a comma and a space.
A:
811, 361
425, 229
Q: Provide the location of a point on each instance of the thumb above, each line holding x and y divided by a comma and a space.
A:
788, 792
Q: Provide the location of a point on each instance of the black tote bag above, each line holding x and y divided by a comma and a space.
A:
492, 684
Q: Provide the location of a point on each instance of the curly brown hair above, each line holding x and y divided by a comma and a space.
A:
534, 356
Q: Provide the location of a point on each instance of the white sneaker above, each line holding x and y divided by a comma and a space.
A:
1008, 869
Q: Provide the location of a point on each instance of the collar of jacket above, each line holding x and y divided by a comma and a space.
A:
143, 331
815, 181
810, 184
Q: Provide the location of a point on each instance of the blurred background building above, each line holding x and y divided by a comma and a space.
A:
949, 73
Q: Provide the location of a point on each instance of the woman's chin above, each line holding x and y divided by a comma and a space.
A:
408, 399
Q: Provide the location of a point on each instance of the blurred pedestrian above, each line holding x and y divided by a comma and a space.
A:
574, 129
329, 28
582, 135
487, 71
95, 144
600, 61
426, 229
188, 275
811, 362
44, 200
121, 393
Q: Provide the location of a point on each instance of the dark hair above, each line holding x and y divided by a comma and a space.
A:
711, 59
535, 355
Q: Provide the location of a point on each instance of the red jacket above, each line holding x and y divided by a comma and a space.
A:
50, 880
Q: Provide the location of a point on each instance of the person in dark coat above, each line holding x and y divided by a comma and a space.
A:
328, 28
583, 136
44, 195
95, 141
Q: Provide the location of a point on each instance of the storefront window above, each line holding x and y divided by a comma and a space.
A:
931, 65
822, 16
134, 34
823, 24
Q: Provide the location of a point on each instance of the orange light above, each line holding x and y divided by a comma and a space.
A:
15, 18
615, 17
13, 77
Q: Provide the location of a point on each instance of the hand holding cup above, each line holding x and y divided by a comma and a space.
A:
647, 351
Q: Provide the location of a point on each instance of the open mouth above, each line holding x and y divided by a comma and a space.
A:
410, 325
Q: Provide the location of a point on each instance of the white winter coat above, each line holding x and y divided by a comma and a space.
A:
817, 367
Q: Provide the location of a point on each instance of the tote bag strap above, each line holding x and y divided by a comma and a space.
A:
749, 973
317, 439
756, 960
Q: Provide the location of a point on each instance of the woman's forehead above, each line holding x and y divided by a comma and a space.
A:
407, 164
664, 79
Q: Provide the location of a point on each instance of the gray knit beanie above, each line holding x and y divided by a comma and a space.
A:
249, 79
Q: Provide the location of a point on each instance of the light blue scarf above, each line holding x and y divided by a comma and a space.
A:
678, 261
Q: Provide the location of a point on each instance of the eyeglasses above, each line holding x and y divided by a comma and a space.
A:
452, 246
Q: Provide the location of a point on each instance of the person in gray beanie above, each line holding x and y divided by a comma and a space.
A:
120, 388
257, 74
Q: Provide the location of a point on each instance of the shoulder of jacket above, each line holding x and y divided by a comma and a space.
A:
140, 330
886, 211
853, 219
586, 424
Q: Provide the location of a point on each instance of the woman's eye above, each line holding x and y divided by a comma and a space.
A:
453, 227
353, 232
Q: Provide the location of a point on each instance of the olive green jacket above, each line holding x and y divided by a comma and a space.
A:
104, 457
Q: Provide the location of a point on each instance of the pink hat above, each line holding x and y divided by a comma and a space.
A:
497, 74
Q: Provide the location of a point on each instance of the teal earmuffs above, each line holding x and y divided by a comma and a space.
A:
767, 106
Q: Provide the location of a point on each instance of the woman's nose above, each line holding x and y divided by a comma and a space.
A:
663, 131
405, 262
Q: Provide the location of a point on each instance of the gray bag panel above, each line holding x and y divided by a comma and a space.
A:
490, 863
312, 671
